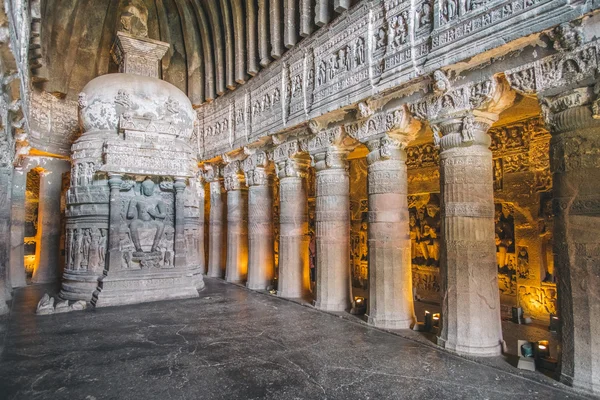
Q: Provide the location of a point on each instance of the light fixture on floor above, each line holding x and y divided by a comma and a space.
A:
436, 320
359, 306
554, 321
428, 321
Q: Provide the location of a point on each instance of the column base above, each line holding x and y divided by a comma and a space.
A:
214, 275
476, 351
332, 306
133, 287
257, 285
390, 323
78, 286
592, 388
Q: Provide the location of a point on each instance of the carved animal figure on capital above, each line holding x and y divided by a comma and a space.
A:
146, 210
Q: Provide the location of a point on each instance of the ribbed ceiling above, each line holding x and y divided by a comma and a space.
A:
216, 45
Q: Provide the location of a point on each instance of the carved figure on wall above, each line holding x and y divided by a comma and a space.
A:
380, 38
78, 239
449, 8
348, 55
401, 33
498, 174
93, 259
85, 249
146, 210
523, 263
359, 56
425, 15
322, 75
102, 247
505, 237
425, 222
125, 249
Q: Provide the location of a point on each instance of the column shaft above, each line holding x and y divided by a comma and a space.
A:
574, 161
333, 239
390, 275
260, 237
49, 226
180, 245
17, 230
216, 231
294, 271
114, 243
236, 269
471, 303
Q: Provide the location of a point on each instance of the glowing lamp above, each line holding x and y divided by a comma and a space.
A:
543, 349
554, 321
428, 321
436, 320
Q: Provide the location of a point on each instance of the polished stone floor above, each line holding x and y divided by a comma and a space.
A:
234, 344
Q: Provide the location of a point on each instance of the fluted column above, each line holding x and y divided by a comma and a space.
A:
199, 187
574, 122
180, 246
390, 275
216, 221
236, 268
47, 258
332, 217
17, 229
261, 265
471, 301
294, 267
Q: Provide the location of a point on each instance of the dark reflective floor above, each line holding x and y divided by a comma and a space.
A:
233, 344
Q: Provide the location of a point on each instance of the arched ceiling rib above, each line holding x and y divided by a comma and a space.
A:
216, 45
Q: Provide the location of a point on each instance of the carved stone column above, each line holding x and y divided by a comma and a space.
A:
236, 269
47, 258
471, 300
180, 247
17, 230
574, 122
6, 172
294, 270
261, 265
216, 229
332, 216
114, 243
201, 230
390, 273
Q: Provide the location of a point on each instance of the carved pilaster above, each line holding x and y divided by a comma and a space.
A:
261, 268
216, 222
114, 249
329, 149
575, 167
294, 273
180, 246
236, 268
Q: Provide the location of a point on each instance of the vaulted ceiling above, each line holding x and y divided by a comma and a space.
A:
216, 45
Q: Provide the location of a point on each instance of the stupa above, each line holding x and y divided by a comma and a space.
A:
133, 215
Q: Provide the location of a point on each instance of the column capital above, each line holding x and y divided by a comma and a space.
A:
462, 114
258, 169
574, 109
212, 172
115, 181
180, 184
290, 160
385, 148
398, 124
233, 175
329, 148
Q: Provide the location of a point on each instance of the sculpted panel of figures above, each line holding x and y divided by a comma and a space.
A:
146, 230
425, 224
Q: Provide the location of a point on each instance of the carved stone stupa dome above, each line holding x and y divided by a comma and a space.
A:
110, 100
